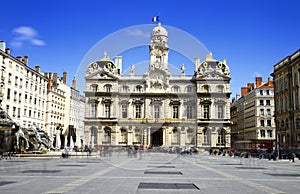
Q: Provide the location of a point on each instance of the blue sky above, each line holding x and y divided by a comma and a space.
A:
252, 35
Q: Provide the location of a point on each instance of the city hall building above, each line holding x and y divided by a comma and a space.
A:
158, 108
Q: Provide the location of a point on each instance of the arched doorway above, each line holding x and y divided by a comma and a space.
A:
157, 137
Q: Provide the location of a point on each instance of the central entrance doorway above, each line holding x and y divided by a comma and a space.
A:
157, 137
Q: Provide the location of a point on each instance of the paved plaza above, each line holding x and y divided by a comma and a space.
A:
152, 173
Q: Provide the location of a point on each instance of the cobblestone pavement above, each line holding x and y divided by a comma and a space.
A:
150, 173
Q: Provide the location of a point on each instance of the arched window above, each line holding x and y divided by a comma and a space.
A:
138, 88
176, 89
107, 135
123, 136
205, 88
108, 88
189, 89
175, 136
221, 136
220, 89
94, 88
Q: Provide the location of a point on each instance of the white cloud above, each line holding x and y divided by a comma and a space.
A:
28, 34
137, 32
38, 42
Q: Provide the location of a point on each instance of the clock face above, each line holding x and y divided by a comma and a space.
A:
95, 65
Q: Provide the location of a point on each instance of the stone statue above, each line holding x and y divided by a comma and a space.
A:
132, 69
182, 68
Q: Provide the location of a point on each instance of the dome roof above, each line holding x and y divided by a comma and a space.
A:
159, 30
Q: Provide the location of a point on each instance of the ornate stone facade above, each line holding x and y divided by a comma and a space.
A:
158, 108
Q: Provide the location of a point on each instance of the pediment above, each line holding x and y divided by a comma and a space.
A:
101, 74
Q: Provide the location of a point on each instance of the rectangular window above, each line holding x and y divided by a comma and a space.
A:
268, 92
25, 112
14, 111
269, 123
206, 111
124, 111
20, 97
262, 123
8, 93
16, 80
270, 133
189, 89
107, 110
93, 110
15, 96
220, 111
19, 112
156, 111
261, 102
7, 109
137, 111
9, 78
262, 112
108, 89
175, 112
29, 114
269, 112
262, 133
261, 92
268, 102
189, 112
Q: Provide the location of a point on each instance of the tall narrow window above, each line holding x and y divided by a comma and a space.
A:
107, 110
189, 112
220, 111
189, 89
190, 136
261, 112
206, 111
107, 135
124, 111
137, 111
262, 133
205, 136
123, 136
221, 136
8, 93
268, 102
262, 123
93, 110
108, 88
175, 136
156, 111
175, 112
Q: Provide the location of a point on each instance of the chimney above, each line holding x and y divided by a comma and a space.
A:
197, 63
55, 79
74, 82
258, 81
244, 91
46, 75
65, 77
19, 58
50, 75
37, 69
7, 50
118, 62
233, 100
2, 45
25, 60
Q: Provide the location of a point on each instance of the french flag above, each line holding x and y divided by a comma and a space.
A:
155, 19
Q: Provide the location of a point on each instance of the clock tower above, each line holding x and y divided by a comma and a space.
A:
158, 48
